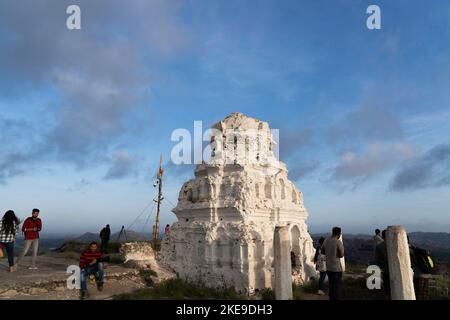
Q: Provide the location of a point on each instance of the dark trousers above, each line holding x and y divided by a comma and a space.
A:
9, 248
323, 274
334, 281
421, 288
104, 246
386, 283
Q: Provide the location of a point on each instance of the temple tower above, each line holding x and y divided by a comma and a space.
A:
228, 213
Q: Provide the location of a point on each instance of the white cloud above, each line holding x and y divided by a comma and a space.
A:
123, 165
355, 168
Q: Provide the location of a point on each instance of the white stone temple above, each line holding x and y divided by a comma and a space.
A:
228, 213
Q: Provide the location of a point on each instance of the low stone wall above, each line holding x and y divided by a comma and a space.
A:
138, 255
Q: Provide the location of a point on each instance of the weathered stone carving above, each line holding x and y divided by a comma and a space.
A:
228, 213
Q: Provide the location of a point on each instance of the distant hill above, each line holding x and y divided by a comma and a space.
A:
438, 243
87, 237
345, 236
430, 239
128, 235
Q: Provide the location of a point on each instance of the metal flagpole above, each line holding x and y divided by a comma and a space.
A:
158, 200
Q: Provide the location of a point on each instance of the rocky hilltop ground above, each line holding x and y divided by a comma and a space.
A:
49, 282
131, 273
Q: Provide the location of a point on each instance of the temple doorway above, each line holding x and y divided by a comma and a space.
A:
295, 250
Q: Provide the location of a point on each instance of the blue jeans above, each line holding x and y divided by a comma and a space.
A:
95, 269
9, 248
323, 274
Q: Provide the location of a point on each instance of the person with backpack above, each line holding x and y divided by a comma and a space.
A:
91, 264
31, 228
422, 265
105, 235
320, 260
333, 248
8, 230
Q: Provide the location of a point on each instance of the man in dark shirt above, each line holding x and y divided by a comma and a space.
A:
105, 235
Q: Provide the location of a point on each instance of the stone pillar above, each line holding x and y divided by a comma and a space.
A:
282, 264
400, 272
342, 260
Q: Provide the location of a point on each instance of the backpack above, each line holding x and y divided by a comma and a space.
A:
424, 260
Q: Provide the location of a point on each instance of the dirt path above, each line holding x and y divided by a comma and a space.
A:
49, 282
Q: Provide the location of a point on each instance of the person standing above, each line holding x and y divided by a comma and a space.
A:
8, 230
422, 272
31, 228
105, 235
381, 260
333, 249
377, 239
167, 230
320, 261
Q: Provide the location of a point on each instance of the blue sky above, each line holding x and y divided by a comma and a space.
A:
364, 115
